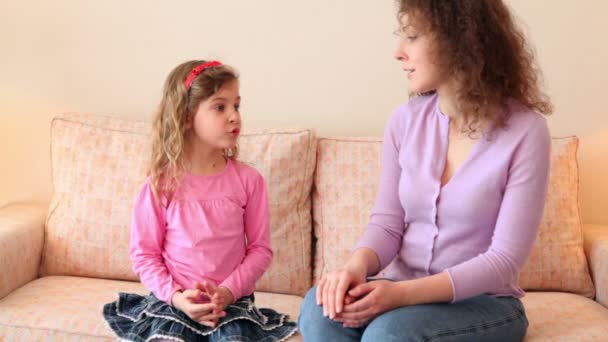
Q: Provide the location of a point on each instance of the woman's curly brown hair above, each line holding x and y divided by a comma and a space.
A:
484, 50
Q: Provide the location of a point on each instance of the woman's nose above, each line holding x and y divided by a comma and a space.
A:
400, 53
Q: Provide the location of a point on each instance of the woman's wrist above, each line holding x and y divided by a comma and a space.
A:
426, 290
356, 266
364, 261
405, 293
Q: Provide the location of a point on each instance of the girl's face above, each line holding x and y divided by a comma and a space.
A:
416, 52
217, 121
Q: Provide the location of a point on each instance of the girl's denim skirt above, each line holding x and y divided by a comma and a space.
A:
145, 318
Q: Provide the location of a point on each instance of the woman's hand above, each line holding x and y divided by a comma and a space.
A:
332, 289
374, 298
207, 314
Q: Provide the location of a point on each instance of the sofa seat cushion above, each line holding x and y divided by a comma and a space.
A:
564, 316
67, 308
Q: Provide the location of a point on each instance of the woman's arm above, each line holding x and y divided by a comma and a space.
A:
518, 220
386, 226
382, 238
514, 234
490, 272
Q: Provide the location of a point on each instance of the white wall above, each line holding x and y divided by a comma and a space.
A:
321, 64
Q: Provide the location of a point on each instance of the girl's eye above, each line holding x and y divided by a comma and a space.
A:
411, 38
237, 107
220, 108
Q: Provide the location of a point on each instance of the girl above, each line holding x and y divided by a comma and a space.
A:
464, 177
200, 234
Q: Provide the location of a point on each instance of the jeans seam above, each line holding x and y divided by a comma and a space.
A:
471, 328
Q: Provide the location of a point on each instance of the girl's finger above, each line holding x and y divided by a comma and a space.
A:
210, 288
192, 295
219, 303
210, 324
212, 316
200, 309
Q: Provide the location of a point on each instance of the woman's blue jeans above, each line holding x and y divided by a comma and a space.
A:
481, 318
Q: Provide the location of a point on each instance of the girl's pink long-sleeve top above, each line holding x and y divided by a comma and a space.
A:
214, 228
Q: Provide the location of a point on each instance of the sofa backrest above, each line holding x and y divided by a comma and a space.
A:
344, 193
99, 164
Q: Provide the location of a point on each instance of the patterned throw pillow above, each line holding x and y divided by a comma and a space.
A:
558, 261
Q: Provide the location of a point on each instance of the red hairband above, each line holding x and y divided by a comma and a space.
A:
197, 70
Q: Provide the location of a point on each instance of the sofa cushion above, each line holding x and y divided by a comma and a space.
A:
52, 308
344, 194
558, 262
98, 166
286, 159
558, 316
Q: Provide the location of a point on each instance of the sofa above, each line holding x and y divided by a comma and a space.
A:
62, 260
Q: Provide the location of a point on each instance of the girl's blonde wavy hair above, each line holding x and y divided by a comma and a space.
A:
177, 107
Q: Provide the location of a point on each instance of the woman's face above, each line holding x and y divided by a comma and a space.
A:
416, 52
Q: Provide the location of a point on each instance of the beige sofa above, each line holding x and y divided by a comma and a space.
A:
63, 260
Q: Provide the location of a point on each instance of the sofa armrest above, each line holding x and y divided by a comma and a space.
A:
596, 249
21, 240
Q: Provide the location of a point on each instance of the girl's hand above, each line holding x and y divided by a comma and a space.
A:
188, 302
221, 296
332, 288
375, 298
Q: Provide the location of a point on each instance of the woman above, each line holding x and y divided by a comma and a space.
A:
464, 177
